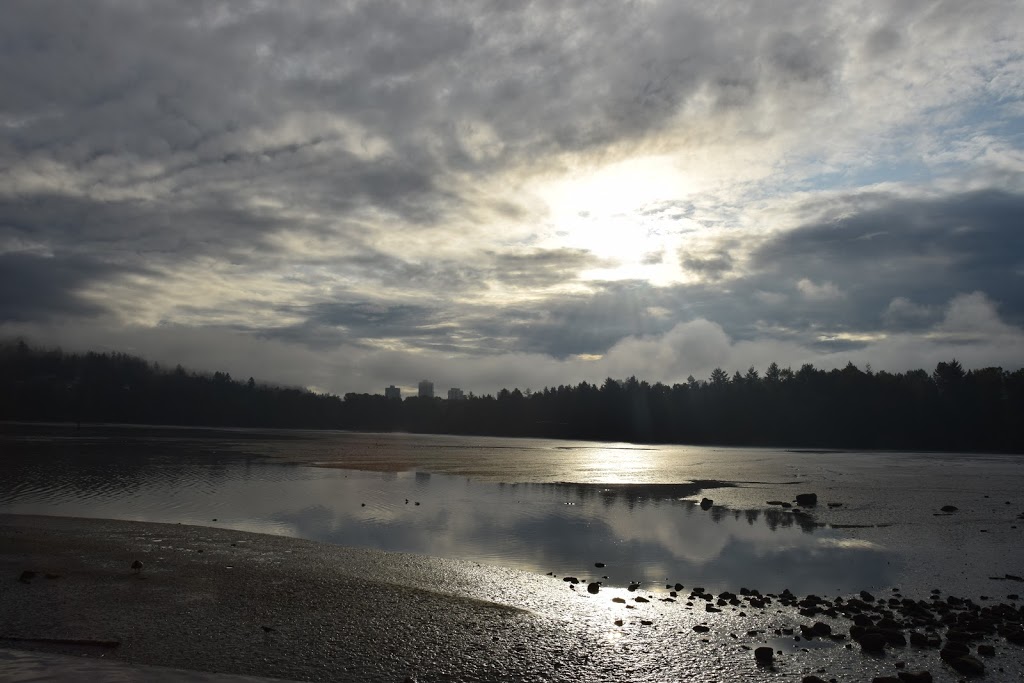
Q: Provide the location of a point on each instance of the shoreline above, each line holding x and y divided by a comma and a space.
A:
239, 603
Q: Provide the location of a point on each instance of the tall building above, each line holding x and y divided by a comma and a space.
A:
455, 394
393, 392
426, 389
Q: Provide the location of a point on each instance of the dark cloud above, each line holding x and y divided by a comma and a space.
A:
713, 266
922, 250
34, 287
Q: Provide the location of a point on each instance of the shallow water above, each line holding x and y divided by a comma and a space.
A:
551, 506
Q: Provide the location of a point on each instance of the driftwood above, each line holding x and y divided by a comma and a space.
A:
64, 641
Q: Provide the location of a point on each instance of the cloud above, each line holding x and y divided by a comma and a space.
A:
378, 187
826, 291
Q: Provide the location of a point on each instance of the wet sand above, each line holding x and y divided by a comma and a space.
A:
231, 602
227, 601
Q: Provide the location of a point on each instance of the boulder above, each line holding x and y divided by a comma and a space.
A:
807, 499
594, 588
764, 654
706, 503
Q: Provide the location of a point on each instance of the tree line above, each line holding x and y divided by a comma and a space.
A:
949, 409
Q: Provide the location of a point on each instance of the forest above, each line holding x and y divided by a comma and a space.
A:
949, 409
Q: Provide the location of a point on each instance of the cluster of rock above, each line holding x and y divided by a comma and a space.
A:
953, 626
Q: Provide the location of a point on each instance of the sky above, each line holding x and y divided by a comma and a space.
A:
347, 195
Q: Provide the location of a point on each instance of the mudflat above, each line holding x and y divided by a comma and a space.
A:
234, 602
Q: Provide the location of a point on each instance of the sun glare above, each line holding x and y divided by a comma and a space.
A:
603, 210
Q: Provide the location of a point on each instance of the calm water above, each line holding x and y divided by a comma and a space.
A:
548, 506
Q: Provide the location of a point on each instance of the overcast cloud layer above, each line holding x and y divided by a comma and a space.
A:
347, 195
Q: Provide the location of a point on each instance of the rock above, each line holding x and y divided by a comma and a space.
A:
867, 597
776, 502
807, 499
594, 588
619, 600
700, 628
872, 642
953, 650
949, 508
764, 654
679, 586
618, 622
915, 676
710, 608
706, 503
640, 599
821, 629
812, 679
835, 505
599, 565
968, 665
646, 622
632, 587
571, 579
986, 651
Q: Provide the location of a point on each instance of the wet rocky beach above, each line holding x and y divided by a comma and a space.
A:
236, 603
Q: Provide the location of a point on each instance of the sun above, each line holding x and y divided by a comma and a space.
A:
606, 210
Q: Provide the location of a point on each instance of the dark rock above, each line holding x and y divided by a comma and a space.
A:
986, 651
594, 588
711, 608
949, 508
807, 499
646, 622
812, 679
968, 665
640, 599
632, 587
618, 622
570, 579
953, 650
776, 502
872, 641
706, 503
679, 586
764, 654
599, 565
821, 629
835, 505
915, 676
700, 628
619, 600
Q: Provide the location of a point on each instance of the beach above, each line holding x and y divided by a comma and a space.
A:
237, 603
232, 602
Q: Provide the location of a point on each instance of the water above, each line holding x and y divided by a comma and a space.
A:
550, 506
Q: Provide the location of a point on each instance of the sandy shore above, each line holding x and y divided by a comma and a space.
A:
227, 601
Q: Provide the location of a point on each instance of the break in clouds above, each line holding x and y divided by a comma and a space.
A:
349, 195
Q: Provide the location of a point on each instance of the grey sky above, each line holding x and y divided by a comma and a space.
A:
348, 195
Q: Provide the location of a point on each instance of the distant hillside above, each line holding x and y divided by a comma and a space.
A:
950, 409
